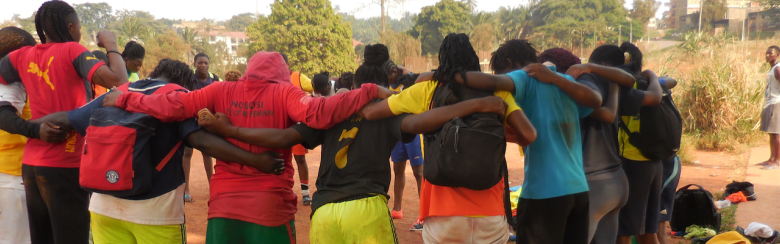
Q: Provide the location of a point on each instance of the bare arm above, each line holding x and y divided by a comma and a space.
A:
434, 119
208, 143
377, 110
524, 130
116, 74
654, 92
608, 111
268, 138
669, 82
487, 82
619, 76
777, 74
581, 94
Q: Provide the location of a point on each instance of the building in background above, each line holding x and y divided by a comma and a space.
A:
216, 35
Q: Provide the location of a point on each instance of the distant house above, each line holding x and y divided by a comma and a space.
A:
355, 43
652, 23
217, 34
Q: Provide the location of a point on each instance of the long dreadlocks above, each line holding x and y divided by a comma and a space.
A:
520, 52
12, 38
52, 20
371, 70
176, 71
456, 55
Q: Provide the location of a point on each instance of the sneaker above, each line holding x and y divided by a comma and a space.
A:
306, 200
417, 225
397, 214
188, 198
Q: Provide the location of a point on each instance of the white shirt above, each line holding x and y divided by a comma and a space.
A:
167, 209
14, 94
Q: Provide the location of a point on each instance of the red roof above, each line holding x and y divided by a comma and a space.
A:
355, 43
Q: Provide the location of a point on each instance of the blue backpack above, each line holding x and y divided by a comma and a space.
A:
116, 159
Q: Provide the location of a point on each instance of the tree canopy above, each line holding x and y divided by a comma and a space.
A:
309, 32
435, 22
240, 22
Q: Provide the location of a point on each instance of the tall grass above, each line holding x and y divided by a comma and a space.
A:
720, 91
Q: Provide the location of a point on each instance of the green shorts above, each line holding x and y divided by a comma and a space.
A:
228, 231
107, 230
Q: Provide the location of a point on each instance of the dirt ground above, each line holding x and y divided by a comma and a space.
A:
713, 171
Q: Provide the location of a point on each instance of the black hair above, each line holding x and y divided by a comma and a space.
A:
407, 80
285, 58
195, 60
100, 55
636, 56
518, 51
133, 50
456, 55
321, 83
371, 70
52, 19
609, 55
176, 71
346, 81
13, 38
389, 66
776, 48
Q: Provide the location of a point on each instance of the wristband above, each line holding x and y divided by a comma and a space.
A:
661, 81
112, 51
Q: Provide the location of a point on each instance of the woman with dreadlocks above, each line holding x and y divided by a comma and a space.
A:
157, 215
13, 100
447, 212
57, 76
134, 58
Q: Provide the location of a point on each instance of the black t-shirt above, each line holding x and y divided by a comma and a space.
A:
354, 157
599, 138
166, 136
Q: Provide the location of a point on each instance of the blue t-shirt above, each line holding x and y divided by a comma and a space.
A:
166, 136
553, 162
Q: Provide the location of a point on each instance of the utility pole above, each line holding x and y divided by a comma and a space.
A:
581, 46
701, 8
743, 30
620, 34
631, 36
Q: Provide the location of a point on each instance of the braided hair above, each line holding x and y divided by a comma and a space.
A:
456, 55
52, 20
13, 38
407, 80
176, 71
232, 75
635, 56
520, 52
371, 70
133, 50
347, 81
562, 58
609, 55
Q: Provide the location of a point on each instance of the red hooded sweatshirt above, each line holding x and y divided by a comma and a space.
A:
263, 98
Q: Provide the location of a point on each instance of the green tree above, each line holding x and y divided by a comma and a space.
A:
483, 36
435, 22
401, 45
27, 24
562, 23
240, 22
94, 16
644, 10
472, 4
713, 10
134, 28
164, 45
309, 32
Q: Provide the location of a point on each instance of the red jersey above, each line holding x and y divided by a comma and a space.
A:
57, 78
263, 98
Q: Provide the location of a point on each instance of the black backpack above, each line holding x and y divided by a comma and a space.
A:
694, 207
744, 187
660, 129
467, 152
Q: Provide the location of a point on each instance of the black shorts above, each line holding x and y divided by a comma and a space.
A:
640, 214
671, 178
57, 206
555, 220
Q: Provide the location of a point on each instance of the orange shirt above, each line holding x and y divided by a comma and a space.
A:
450, 201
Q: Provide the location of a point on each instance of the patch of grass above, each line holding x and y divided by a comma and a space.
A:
686, 148
728, 219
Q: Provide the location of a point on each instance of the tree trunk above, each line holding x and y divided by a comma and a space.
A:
382, 6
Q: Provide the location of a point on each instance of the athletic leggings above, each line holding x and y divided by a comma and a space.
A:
607, 196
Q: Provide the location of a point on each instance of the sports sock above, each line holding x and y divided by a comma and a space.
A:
305, 187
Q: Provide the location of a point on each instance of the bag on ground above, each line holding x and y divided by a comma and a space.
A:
694, 207
744, 187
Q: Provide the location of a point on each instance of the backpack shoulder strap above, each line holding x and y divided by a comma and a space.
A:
168, 157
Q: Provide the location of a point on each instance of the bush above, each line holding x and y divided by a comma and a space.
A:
720, 104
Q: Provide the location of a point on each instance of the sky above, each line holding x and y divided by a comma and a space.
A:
224, 9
